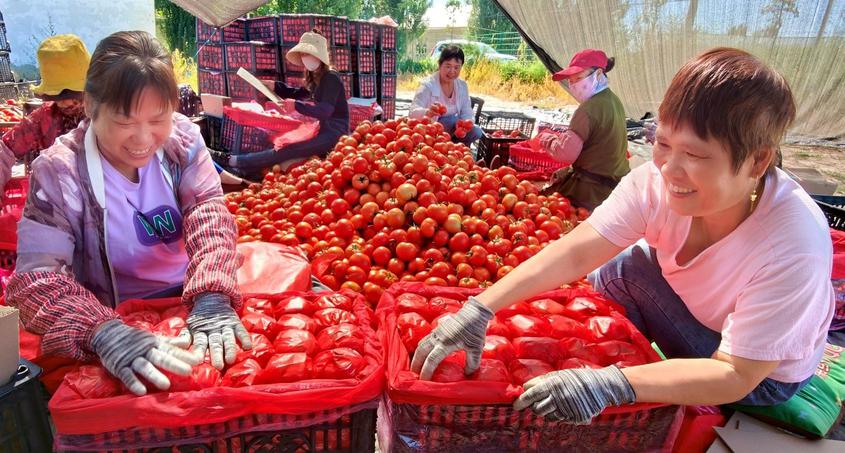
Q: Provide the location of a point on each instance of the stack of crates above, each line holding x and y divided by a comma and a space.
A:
386, 59
363, 38
211, 58
8, 88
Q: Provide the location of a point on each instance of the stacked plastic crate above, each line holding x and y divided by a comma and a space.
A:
211, 59
363, 37
8, 88
386, 59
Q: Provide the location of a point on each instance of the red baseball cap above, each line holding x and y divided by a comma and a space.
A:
585, 59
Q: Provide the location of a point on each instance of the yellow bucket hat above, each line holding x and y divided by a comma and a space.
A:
313, 44
63, 62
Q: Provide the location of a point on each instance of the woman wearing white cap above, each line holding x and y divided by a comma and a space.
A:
323, 97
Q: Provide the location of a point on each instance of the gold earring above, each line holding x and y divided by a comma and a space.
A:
754, 195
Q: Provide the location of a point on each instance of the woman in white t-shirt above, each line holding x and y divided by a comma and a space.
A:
725, 261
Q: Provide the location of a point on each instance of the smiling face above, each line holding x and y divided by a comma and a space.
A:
129, 140
450, 70
699, 177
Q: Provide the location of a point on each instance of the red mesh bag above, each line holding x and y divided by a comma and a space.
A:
491, 370
332, 316
540, 348
170, 327
451, 369
334, 300
202, 376
179, 311
287, 367
440, 305
575, 363
519, 308
285, 129
575, 347
262, 350
497, 327
581, 308
412, 328
523, 370
563, 327
140, 324
608, 328
295, 321
341, 336
295, 340
527, 326
147, 316
412, 303
259, 323
616, 352
93, 381
241, 374
338, 363
497, 347
293, 305
543, 307
256, 305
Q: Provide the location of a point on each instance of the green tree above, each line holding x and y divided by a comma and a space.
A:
487, 23
407, 13
348, 8
176, 26
777, 9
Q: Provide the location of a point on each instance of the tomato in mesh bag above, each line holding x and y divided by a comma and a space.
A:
259, 323
545, 307
581, 308
341, 336
616, 352
139, 324
523, 370
563, 327
540, 348
94, 382
262, 350
409, 302
412, 328
256, 305
295, 340
338, 363
499, 348
241, 374
179, 311
608, 328
575, 347
519, 308
497, 327
491, 370
202, 376
146, 315
331, 317
293, 305
295, 321
451, 369
333, 300
440, 305
286, 367
575, 363
170, 327
527, 326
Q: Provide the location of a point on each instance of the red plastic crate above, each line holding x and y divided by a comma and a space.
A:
234, 32
340, 31
263, 29
212, 82
257, 58
324, 25
239, 139
240, 90
211, 56
292, 26
287, 65
295, 80
389, 107
387, 37
342, 59
364, 60
387, 62
362, 33
365, 86
386, 86
348, 81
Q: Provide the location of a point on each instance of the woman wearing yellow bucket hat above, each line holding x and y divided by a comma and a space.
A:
63, 62
323, 98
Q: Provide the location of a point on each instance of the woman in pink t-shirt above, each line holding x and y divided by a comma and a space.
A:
720, 258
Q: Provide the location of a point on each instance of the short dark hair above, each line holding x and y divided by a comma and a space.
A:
732, 96
123, 65
451, 52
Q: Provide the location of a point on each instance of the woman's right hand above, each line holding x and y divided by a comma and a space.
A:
436, 109
127, 352
465, 330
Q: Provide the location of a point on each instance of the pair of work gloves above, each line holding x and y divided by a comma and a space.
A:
574, 396
129, 353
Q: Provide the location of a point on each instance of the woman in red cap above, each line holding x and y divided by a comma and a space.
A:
596, 142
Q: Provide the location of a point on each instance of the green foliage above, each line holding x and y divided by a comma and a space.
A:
528, 73
349, 8
487, 18
410, 66
407, 13
176, 27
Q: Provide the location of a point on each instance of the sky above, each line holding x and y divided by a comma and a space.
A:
438, 16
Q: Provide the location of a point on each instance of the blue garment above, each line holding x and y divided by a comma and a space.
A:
634, 280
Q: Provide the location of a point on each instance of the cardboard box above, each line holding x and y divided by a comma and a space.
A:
9, 348
745, 434
213, 104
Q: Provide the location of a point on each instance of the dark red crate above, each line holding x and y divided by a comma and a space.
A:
340, 31
296, 80
257, 58
387, 37
234, 32
324, 25
362, 34
240, 90
287, 65
212, 82
211, 56
386, 62
292, 26
364, 60
389, 107
342, 59
364, 86
239, 139
263, 29
386, 86
348, 81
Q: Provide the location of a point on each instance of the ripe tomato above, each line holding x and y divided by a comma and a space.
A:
406, 251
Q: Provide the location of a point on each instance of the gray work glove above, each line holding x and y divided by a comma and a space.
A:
465, 330
214, 325
126, 351
576, 395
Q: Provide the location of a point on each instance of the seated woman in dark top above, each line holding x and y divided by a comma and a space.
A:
323, 98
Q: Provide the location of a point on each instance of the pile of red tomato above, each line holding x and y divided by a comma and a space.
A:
397, 200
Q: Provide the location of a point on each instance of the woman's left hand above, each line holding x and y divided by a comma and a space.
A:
576, 395
214, 325
288, 105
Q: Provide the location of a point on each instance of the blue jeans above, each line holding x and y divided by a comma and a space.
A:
450, 121
634, 280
